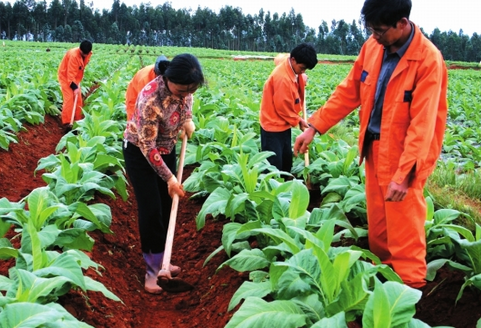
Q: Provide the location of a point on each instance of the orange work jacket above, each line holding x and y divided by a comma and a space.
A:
282, 99
72, 66
140, 80
414, 110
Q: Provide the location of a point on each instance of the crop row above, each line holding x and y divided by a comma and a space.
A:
311, 281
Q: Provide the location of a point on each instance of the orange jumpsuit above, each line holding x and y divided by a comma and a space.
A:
140, 79
412, 130
70, 72
282, 99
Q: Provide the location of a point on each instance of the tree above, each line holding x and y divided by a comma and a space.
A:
55, 12
6, 17
40, 18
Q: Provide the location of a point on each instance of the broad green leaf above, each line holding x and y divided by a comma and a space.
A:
35, 287
247, 260
257, 313
75, 238
96, 286
229, 234
352, 297
37, 315
302, 262
311, 305
291, 284
5, 283
391, 305
98, 214
7, 250
215, 204
279, 236
435, 265
64, 265
249, 289
336, 321
27, 314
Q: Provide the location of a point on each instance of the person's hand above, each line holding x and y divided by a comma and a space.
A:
188, 128
397, 192
303, 140
303, 124
174, 187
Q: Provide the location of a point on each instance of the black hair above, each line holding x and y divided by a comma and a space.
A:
161, 64
305, 53
86, 46
184, 69
385, 12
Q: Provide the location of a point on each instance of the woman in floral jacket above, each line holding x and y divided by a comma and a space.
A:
163, 108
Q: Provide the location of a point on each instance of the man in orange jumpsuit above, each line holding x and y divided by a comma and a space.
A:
399, 80
282, 101
70, 73
140, 80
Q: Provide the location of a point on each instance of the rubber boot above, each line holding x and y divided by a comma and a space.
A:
153, 263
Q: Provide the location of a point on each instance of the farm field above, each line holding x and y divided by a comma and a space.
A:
206, 305
117, 253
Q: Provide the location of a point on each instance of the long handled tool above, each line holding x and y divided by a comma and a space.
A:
164, 278
73, 110
306, 154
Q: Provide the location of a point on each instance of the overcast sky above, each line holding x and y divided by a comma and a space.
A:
428, 14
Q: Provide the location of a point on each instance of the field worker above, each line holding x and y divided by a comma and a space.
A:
163, 108
140, 79
70, 74
399, 80
282, 102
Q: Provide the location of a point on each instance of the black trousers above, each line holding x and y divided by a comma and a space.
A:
153, 200
281, 144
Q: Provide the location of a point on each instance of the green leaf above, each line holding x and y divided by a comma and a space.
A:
257, 313
229, 234
336, 321
75, 238
391, 305
247, 260
96, 286
98, 214
279, 236
7, 250
250, 289
27, 314
35, 287
64, 265
215, 204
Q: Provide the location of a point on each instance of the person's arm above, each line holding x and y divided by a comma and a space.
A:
72, 70
428, 91
131, 95
344, 100
287, 102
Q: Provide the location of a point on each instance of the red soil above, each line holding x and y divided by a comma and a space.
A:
206, 305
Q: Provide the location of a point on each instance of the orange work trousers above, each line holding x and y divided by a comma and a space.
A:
396, 229
68, 102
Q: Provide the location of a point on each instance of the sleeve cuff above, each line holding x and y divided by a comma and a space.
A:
312, 126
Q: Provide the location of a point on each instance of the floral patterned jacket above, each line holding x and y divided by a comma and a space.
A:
157, 119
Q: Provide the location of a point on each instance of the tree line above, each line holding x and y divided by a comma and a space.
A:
230, 29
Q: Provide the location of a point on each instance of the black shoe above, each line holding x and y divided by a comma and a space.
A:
67, 128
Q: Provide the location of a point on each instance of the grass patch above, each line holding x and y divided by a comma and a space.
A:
450, 196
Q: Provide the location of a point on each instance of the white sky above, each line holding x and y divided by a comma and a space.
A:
428, 14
